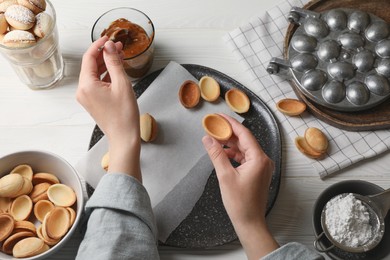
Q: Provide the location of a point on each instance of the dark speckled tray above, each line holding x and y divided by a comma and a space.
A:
208, 224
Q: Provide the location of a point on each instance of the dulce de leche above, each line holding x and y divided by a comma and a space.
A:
137, 46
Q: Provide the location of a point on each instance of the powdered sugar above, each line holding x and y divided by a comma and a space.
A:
347, 220
18, 36
20, 14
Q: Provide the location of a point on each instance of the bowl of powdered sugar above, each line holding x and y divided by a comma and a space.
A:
347, 225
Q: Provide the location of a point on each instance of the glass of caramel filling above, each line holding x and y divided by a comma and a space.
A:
136, 32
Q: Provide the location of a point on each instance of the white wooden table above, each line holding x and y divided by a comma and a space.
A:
186, 32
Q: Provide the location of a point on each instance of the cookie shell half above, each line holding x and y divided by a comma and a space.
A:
7, 225
29, 247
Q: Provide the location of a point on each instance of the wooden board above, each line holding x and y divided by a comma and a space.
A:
372, 119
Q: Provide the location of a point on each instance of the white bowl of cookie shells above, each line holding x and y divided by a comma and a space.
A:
41, 161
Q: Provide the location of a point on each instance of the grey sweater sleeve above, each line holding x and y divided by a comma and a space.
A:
293, 250
121, 223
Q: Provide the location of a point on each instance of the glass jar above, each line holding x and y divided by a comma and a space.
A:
137, 65
39, 66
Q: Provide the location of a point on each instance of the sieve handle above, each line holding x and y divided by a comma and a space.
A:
318, 247
382, 200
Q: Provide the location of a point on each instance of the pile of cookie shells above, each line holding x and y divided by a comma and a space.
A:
36, 211
23, 22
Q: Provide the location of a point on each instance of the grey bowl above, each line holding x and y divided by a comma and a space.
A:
350, 186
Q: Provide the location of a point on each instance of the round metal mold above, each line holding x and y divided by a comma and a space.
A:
338, 58
333, 91
358, 21
382, 49
314, 80
328, 50
316, 27
303, 62
304, 43
363, 61
351, 40
383, 67
358, 93
377, 31
336, 19
341, 70
377, 84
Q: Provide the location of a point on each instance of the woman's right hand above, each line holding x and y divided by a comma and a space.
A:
244, 189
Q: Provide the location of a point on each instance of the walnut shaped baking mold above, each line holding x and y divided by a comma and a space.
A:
338, 58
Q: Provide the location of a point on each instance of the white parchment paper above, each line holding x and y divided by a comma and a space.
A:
175, 152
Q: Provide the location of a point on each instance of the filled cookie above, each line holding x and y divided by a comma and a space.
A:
36, 6
20, 17
5, 4
18, 39
43, 25
3, 24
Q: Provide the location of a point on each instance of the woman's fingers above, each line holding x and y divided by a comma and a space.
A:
235, 154
90, 57
114, 63
217, 156
243, 139
102, 69
106, 78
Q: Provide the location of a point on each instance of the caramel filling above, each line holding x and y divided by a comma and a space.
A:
133, 37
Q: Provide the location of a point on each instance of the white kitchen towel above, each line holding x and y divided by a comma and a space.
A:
255, 43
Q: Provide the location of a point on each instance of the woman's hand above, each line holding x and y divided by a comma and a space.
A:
244, 189
112, 104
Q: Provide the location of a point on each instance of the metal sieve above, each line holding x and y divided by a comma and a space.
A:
338, 59
378, 205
